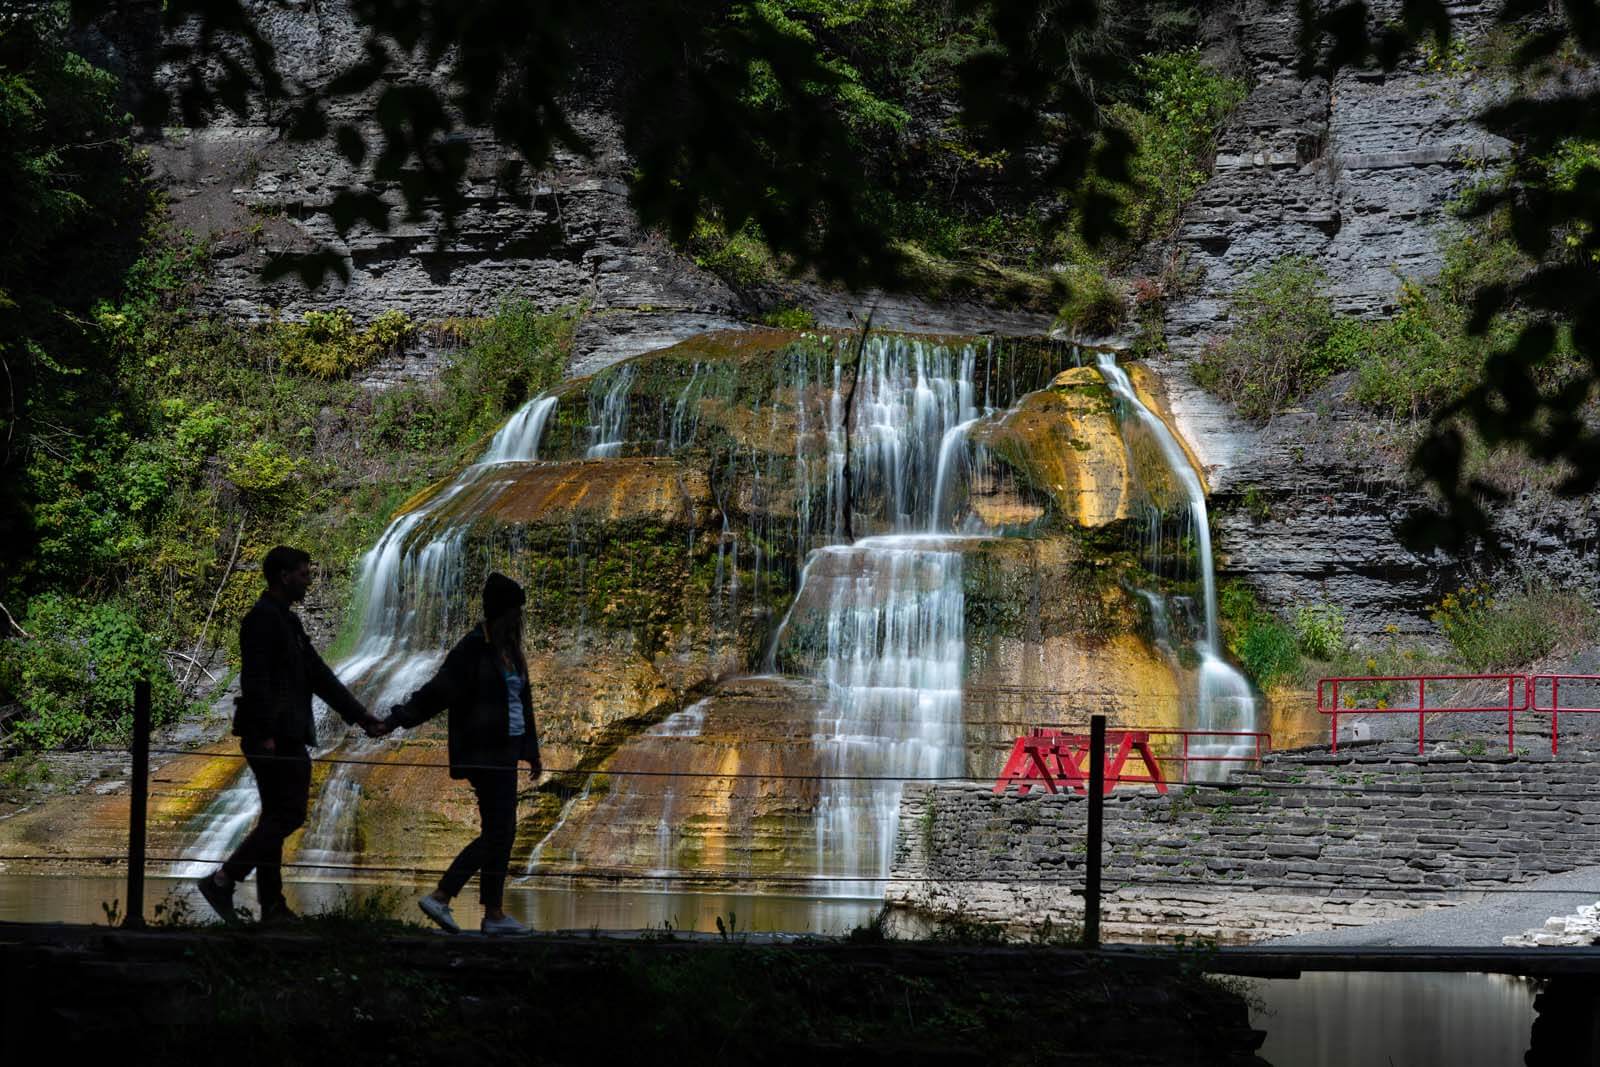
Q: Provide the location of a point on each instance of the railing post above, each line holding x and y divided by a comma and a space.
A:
139, 802
1422, 702
1511, 712
1335, 712
1555, 713
1097, 803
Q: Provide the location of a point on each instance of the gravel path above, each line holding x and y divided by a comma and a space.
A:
1482, 922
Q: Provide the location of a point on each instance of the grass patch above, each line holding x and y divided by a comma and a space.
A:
1522, 623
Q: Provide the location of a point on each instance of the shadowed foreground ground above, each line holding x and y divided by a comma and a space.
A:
340, 990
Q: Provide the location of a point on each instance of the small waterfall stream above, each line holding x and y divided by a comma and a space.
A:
1224, 700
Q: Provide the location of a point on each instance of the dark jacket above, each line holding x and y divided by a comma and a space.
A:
278, 674
470, 683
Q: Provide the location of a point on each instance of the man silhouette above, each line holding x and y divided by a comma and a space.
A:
279, 672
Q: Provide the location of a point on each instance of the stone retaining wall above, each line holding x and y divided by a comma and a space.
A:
1313, 840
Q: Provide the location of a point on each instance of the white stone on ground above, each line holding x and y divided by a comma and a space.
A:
1580, 930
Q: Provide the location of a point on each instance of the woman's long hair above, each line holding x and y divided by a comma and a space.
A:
505, 636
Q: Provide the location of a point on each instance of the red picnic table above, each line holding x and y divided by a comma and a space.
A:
1049, 757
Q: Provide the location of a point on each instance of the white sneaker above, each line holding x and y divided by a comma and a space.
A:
503, 925
439, 913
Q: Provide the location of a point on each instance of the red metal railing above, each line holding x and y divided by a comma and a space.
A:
1333, 694
1260, 742
1544, 693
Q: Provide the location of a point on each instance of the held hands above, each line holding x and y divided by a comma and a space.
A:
376, 727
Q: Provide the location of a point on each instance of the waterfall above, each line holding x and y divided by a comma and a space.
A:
519, 438
685, 412
910, 396
227, 820
875, 630
952, 451
1224, 700
892, 658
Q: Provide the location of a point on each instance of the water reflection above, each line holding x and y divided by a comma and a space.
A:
1403, 1020
32, 898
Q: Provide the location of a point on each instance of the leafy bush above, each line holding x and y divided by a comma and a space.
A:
507, 359
1319, 631
1174, 130
328, 345
1418, 360
739, 258
1094, 304
264, 472
790, 318
1261, 642
1266, 650
1285, 341
1527, 622
74, 676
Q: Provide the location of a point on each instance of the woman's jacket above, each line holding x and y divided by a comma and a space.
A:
472, 686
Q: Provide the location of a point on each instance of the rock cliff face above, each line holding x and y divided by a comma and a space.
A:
565, 236
1356, 173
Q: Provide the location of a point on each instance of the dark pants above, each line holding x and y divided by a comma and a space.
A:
283, 781
489, 854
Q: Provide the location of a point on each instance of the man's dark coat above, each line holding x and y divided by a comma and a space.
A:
279, 673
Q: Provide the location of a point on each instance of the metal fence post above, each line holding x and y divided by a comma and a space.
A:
140, 753
1097, 804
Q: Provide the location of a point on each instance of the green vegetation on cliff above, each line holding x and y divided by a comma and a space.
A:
1505, 626
1416, 368
153, 484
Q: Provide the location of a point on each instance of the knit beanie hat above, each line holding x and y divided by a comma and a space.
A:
500, 595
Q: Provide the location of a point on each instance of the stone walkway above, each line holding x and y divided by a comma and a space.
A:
1480, 923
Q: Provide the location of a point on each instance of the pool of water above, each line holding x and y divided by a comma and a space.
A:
1392, 1020
38, 898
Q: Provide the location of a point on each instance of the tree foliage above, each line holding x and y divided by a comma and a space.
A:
71, 205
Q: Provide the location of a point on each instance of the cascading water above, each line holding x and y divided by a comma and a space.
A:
893, 657
891, 606
519, 438
608, 414
876, 627
1223, 699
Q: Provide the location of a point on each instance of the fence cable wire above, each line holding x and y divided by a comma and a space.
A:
1247, 785
1113, 882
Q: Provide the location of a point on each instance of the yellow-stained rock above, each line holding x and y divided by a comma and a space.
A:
596, 491
1063, 442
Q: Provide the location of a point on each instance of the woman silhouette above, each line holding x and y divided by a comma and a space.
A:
484, 684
